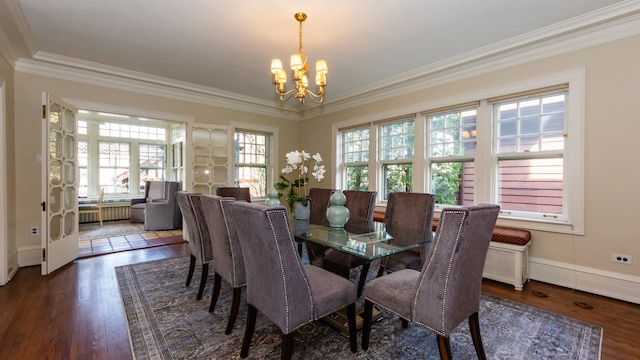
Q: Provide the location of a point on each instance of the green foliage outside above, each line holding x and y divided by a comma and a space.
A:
447, 178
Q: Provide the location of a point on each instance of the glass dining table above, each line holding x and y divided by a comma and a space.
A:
366, 240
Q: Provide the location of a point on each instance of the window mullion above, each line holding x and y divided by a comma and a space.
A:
485, 158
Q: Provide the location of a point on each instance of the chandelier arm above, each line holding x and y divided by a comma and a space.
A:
284, 96
318, 99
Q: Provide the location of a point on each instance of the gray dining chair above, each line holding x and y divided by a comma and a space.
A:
361, 205
447, 289
227, 254
238, 193
409, 218
286, 291
318, 216
198, 233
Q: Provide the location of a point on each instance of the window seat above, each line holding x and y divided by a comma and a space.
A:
508, 256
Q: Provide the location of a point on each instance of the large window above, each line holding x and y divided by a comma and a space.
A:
355, 158
396, 154
452, 148
119, 155
530, 150
252, 160
513, 149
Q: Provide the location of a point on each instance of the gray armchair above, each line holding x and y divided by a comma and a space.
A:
447, 290
238, 193
287, 292
159, 209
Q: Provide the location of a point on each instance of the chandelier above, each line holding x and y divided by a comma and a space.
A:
299, 66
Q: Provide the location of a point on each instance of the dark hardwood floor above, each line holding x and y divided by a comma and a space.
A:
76, 313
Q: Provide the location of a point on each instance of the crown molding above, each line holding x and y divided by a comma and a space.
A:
64, 68
597, 28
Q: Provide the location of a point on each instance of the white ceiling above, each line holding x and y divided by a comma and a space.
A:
225, 47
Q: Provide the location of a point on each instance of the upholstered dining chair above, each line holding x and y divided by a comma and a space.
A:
361, 205
409, 218
284, 290
227, 254
238, 193
93, 208
447, 289
198, 233
318, 216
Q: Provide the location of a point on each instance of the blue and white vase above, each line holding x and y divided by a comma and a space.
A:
272, 200
337, 213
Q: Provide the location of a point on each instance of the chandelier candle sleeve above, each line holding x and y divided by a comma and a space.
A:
299, 66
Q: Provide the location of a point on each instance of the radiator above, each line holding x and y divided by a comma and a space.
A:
117, 211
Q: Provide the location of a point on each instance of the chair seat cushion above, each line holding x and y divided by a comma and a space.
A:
404, 260
330, 291
390, 291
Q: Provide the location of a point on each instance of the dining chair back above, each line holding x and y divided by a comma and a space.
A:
227, 254
447, 289
279, 285
409, 218
93, 208
198, 236
238, 193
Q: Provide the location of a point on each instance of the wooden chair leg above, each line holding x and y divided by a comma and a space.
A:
217, 280
474, 325
366, 325
405, 323
353, 335
252, 313
192, 267
235, 304
444, 346
203, 280
363, 277
287, 346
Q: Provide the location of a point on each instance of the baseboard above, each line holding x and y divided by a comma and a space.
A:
29, 256
606, 283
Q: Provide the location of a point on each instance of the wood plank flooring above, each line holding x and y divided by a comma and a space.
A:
76, 313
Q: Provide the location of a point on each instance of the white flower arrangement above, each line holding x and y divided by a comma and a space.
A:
299, 162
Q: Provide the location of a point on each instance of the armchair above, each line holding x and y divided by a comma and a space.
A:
159, 209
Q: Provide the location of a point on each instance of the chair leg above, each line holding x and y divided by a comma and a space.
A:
192, 267
363, 277
252, 313
474, 325
366, 325
203, 280
100, 216
444, 346
405, 323
351, 318
217, 280
235, 304
287, 346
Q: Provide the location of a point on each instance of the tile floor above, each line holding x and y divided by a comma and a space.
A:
101, 246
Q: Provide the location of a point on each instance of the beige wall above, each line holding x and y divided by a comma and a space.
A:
611, 156
28, 133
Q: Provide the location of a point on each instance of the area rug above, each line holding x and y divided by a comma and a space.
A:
110, 229
165, 321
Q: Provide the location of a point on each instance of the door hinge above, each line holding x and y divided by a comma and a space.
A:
44, 111
44, 255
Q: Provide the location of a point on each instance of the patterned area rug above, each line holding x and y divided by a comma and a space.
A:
166, 322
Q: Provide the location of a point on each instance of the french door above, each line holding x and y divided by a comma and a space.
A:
60, 185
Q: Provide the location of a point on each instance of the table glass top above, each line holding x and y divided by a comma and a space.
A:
367, 240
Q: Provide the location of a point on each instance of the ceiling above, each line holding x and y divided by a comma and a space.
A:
224, 48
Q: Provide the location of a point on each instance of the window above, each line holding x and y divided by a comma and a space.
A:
152, 162
396, 154
83, 163
523, 149
452, 147
530, 150
114, 166
355, 158
252, 160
